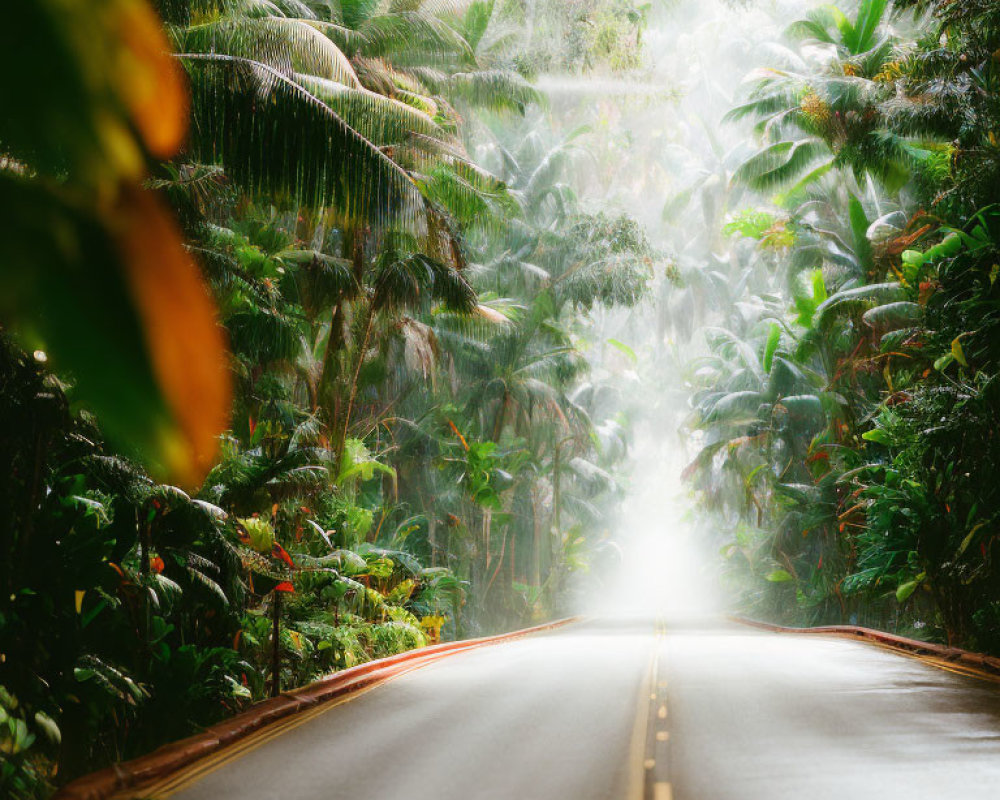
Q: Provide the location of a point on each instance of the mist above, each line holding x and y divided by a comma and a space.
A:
561, 363
648, 137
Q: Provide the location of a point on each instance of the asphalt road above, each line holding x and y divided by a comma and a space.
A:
622, 710
759, 715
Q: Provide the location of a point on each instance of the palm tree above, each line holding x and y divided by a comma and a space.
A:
819, 113
403, 280
514, 377
946, 91
337, 92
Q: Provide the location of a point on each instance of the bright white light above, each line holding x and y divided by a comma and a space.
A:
663, 570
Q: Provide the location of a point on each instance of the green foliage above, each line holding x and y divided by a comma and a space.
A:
815, 115
23, 774
579, 37
849, 415
411, 445
949, 85
750, 223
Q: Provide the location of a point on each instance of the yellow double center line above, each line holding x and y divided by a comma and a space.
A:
656, 749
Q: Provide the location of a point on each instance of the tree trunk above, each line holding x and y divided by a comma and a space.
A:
557, 491
359, 358
555, 561
328, 393
432, 537
536, 530
501, 413
325, 390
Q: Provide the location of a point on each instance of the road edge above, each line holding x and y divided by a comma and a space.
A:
978, 664
174, 756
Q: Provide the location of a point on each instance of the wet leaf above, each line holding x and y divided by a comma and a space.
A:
773, 340
628, 352
905, 590
48, 726
957, 353
968, 539
945, 361
878, 436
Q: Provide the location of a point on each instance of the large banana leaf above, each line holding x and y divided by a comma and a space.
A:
735, 408
806, 410
893, 316
725, 342
856, 300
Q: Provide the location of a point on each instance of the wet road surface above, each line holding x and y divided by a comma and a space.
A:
758, 715
623, 710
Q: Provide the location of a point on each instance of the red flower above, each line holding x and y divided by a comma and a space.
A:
285, 586
281, 554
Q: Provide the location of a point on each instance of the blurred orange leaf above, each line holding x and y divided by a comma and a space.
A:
153, 84
185, 341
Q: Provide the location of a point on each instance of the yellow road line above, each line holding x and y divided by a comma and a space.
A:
655, 751
643, 714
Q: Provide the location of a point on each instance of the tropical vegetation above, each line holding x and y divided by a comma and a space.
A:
845, 405
324, 333
291, 375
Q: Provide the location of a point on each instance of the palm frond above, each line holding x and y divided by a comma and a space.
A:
277, 139
381, 120
286, 45
492, 89
779, 164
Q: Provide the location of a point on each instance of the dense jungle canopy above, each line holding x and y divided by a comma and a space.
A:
333, 328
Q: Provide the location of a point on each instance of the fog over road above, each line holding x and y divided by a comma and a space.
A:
624, 709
